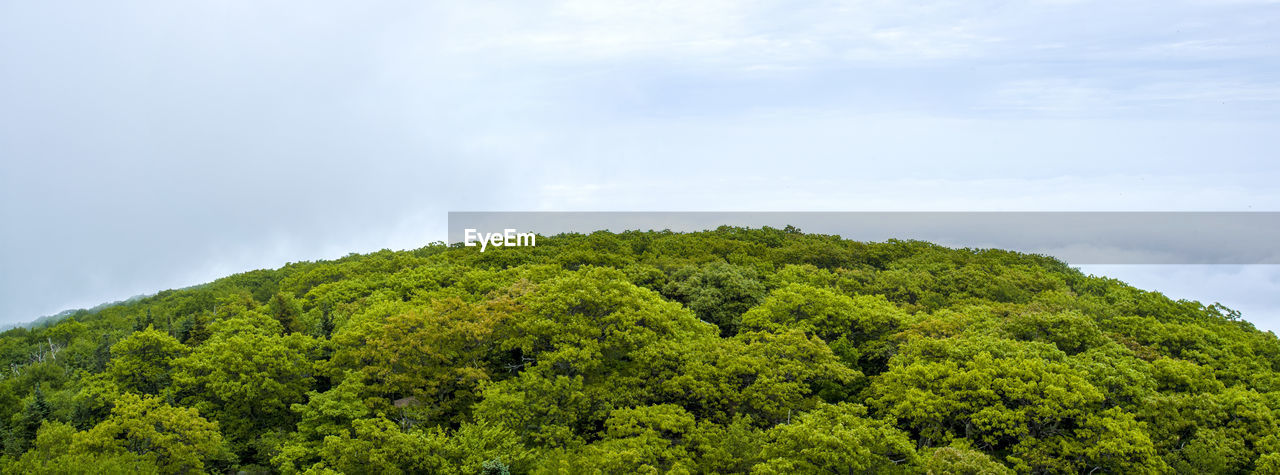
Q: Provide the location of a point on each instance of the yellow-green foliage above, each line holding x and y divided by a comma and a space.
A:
728, 351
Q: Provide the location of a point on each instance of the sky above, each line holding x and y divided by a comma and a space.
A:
155, 145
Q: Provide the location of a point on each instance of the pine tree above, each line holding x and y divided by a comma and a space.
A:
326, 323
144, 322
285, 310
39, 405
102, 354
23, 435
494, 467
196, 332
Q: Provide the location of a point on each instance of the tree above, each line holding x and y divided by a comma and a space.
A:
960, 459
837, 439
58, 450
1113, 441
590, 321
1211, 432
764, 375
718, 293
476, 448
855, 327
1072, 332
285, 310
101, 354
176, 439
578, 338
248, 376
647, 439
326, 323
27, 423
996, 392
376, 445
494, 467
437, 354
145, 321
142, 361
330, 413
194, 330
543, 408
733, 447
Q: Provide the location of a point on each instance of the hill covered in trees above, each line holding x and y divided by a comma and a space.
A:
735, 350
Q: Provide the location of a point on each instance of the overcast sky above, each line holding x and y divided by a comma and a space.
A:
153, 145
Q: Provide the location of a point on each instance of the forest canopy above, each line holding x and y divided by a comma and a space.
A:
728, 351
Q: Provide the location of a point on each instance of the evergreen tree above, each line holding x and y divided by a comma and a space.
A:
286, 311
494, 467
102, 353
195, 331
144, 321
24, 433
326, 323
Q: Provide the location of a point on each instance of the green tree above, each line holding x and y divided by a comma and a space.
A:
718, 293
287, 311
330, 413
1071, 332
27, 422
764, 375
730, 448
143, 361
176, 439
960, 459
648, 439
59, 450
995, 392
838, 439
376, 445
247, 376
437, 355
856, 327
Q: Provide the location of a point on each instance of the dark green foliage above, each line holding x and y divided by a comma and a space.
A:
718, 293
287, 311
194, 330
730, 351
25, 425
326, 323
494, 467
101, 354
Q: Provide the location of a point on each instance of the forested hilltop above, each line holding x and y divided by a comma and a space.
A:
736, 350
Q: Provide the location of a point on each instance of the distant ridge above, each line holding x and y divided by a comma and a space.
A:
57, 317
